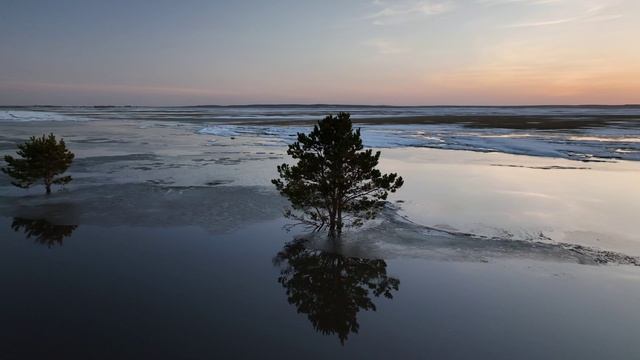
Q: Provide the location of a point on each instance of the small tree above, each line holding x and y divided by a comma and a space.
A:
40, 158
334, 182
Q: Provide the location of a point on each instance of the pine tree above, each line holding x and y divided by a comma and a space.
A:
40, 158
334, 182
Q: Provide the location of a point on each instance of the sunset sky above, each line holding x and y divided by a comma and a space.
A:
462, 52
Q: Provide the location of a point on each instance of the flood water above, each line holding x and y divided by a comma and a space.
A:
522, 197
169, 243
181, 292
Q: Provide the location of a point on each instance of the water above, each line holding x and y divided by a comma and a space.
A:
521, 197
584, 145
129, 172
303, 112
584, 133
182, 292
169, 241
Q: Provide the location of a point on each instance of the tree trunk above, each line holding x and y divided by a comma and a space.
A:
47, 184
48, 179
332, 225
339, 220
332, 218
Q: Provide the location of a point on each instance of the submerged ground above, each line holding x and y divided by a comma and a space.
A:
170, 243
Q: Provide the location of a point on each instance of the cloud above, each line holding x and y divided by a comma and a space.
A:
597, 13
400, 12
602, 18
542, 23
385, 46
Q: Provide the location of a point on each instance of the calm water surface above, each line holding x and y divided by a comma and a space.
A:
132, 292
173, 248
522, 197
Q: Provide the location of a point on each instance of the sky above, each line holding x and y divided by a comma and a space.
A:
403, 52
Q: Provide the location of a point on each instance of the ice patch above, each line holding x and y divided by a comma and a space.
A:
456, 137
221, 130
27, 115
378, 136
626, 139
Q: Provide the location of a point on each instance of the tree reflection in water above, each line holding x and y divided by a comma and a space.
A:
44, 232
331, 289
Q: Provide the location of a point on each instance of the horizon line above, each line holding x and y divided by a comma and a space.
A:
324, 104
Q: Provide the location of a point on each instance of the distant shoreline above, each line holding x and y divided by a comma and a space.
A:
324, 105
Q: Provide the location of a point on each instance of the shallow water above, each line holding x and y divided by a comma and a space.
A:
169, 244
520, 197
587, 145
487, 194
585, 133
181, 292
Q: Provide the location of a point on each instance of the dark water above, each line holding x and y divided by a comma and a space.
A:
92, 292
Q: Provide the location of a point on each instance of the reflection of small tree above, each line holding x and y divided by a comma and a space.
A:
45, 233
332, 289
334, 182
40, 158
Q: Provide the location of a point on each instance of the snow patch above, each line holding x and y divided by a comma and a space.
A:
28, 115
